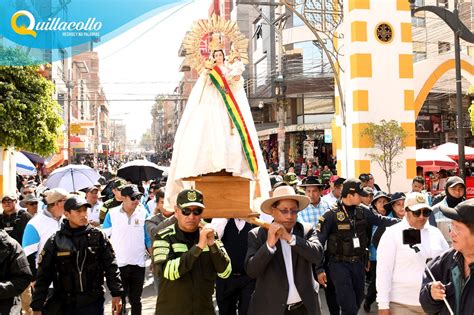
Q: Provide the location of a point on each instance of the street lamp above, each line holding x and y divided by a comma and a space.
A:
280, 92
460, 31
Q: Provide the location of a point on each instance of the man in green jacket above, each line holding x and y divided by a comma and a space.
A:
188, 258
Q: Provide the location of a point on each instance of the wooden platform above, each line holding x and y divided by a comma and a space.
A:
225, 196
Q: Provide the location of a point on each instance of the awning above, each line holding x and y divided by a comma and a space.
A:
56, 161
35, 158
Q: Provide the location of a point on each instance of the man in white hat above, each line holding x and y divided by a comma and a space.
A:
281, 258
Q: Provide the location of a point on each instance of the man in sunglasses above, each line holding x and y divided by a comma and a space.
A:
400, 266
126, 227
188, 258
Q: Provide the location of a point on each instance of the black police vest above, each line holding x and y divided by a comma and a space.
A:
341, 243
235, 243
79, 270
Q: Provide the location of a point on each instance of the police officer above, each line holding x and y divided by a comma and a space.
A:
15, 274
188, 259
114, 202
13, 220
75, 260
344, 228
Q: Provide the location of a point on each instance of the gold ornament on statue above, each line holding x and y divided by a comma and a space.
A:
220, 31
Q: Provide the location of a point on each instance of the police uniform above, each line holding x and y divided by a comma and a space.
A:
15, 223
188, 273
344, 228
76, 261
15, 274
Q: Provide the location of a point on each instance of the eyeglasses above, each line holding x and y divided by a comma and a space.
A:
8, 201
186, 211
31, 203
417, 213
286, 211
136, 198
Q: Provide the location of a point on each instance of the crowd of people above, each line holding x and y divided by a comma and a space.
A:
408, 251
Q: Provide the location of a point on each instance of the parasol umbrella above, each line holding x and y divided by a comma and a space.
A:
140, 170
434, 159
72, 177
23, 165
451, 149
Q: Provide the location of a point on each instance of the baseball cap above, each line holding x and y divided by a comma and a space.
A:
130, 190
368, 190
190, 197
364, 177
118, 183
91, 188
29, 198
75, 203
463, 212
11, 196
453, 181
416, 201
353, 185
55, 194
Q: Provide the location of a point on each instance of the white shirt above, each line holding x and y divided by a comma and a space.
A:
128, 235
330, 199
219, 225
293, 295
93, 213
399, 268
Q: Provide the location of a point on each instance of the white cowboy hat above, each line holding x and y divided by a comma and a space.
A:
282, 193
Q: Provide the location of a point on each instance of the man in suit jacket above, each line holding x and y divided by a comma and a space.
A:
281, 259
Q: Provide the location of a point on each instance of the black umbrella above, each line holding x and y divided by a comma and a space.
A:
140, 170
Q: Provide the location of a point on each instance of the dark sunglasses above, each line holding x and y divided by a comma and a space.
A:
417, 213
286, 211
186, 211
32, 203
136, 198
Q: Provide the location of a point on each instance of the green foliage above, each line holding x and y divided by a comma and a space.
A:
29, 116
387, 138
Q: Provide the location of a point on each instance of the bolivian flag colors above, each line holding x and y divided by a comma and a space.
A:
236, 116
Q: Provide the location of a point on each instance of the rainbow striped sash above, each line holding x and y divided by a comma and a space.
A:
236, 116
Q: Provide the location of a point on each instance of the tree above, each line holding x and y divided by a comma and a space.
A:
147, 141
29, 116
388, 138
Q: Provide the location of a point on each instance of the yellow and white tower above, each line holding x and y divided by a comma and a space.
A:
377, 83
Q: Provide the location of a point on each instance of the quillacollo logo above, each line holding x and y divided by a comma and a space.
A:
45, 27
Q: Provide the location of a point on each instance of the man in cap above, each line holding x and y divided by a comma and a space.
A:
400, 265
15, 275
188, 258
455, 191
92, 197
453, 270
125, 225
13, 220
115, 201
281, 258
43, 225
30, 203
312, 187
76, 259
367, 200
344, 228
